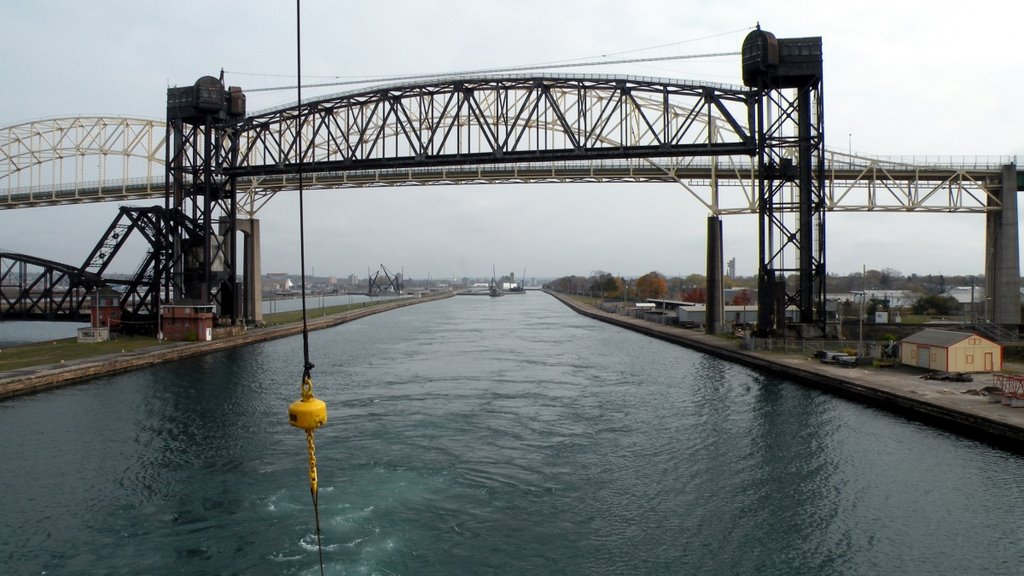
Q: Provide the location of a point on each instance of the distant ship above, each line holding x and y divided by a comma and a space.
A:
495, 289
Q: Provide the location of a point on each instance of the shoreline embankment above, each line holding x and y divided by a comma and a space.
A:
38, 378
900, 390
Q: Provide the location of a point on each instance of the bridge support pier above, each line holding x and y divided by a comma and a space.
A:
252, 275
1002, 255
713, 294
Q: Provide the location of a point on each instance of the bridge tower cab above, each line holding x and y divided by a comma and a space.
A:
200, 200
787, 74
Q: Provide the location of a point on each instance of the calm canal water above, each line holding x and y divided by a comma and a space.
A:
491, 436
17, 332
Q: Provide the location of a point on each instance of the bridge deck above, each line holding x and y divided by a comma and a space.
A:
841, 174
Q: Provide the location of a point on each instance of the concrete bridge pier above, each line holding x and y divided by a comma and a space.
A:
714, 311
252, 275
1002, 254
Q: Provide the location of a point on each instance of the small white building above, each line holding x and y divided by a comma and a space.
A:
732, 315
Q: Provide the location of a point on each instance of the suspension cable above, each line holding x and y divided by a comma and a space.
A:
580, 60
501, 70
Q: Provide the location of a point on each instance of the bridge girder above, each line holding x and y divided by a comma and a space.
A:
479, 121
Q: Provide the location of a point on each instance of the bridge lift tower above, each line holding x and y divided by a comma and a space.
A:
787, 74
200, 198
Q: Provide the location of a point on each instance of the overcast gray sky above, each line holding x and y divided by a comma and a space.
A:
901, 78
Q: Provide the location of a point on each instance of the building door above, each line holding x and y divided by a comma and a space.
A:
988, 362
924, 357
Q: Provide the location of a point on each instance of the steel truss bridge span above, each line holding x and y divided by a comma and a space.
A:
487, 120
78, 160
732, 148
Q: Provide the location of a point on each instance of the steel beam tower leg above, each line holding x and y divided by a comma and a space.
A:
811, 164
791, 228
766, 321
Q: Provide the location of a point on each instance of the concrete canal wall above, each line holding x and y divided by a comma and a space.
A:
900, 390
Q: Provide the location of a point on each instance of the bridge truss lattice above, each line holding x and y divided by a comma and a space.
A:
463, 131
60, 161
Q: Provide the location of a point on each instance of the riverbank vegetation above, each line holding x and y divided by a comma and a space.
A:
916, 298
67, 349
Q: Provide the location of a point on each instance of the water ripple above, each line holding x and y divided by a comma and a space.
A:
480, 436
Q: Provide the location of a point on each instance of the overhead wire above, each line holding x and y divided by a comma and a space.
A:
596, 60
501, 70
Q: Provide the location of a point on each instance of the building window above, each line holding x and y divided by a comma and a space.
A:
970, 358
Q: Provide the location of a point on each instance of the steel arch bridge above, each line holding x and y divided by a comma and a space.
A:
78, 160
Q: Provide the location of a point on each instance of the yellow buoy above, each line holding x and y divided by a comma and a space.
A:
307, 413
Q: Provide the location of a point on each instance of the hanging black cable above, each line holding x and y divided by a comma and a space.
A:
308, 366
308, 413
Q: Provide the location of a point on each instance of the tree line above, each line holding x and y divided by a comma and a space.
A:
691, 288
